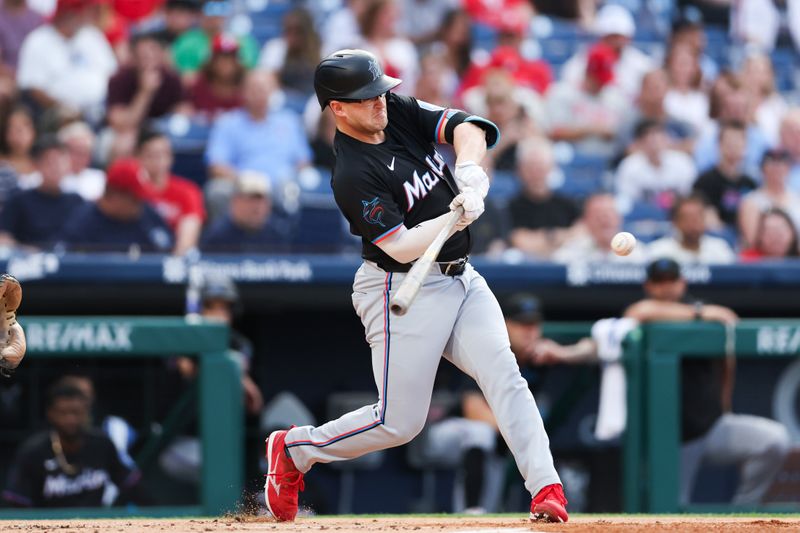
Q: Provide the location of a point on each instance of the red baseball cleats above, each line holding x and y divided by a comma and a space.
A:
549, 505
284, 481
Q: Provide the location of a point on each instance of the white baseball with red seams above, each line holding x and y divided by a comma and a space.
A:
623, 243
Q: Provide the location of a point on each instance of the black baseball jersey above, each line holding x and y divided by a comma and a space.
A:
37, 479
403, 180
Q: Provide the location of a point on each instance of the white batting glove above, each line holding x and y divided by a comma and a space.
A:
470, 174
472, 202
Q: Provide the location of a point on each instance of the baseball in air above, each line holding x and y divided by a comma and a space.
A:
623, 243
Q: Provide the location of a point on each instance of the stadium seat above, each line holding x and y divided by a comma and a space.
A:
315, 189
505, 186
275, 8
265, 27
483, 36
557, 51
784, 62
728, 233
647, 221
646, 211
320, 229
191, 165
584, 175
545, 27
718, 47
647, 230
188, 138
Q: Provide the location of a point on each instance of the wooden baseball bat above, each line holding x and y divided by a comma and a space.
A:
408, 290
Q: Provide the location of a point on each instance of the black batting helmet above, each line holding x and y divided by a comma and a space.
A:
219, 287
351, 75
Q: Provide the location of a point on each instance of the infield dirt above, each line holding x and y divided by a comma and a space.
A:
454, 524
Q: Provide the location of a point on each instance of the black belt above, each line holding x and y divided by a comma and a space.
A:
452, 268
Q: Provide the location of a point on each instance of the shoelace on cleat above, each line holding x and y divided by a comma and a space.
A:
291, 480
551, 493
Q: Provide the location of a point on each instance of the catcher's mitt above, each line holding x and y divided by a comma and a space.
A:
12, 338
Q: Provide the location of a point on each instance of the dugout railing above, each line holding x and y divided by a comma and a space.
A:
653, 355
220, 397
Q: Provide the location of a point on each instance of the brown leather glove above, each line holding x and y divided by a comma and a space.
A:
12, 337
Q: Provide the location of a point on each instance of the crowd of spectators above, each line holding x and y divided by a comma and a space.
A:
175, 125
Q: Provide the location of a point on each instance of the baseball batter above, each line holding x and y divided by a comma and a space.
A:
396, 191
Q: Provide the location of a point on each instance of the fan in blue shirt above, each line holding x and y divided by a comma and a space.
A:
248, 224
34, 217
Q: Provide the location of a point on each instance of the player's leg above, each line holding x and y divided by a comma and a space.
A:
405, 355
406, 351
691, 457
467, 445
480, 347
758, 444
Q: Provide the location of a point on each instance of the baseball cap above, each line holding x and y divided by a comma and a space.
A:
600, 63
614, 20
64, 7
224, 43
253, 183
129, 176
663, 269
523, 307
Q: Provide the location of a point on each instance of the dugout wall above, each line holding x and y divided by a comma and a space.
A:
652, 442
220, 396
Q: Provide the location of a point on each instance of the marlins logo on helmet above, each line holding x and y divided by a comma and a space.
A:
375, 70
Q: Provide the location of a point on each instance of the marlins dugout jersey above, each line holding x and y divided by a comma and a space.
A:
37, 479
404, 180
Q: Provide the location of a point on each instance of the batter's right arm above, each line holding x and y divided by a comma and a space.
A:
407, 245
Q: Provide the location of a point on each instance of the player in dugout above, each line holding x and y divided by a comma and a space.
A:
710, 431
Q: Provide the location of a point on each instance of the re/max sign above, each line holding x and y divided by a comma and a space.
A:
778, 340
73, 336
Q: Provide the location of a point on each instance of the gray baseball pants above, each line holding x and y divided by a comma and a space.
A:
455, 317
758, 445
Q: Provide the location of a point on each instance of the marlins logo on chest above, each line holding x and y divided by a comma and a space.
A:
418, 187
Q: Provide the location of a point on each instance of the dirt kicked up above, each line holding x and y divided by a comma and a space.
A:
444, 523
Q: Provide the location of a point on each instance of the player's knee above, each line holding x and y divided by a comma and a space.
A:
780, 443
481, 435
403, 432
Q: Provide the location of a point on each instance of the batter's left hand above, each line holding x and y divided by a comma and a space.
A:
470, 174
472, 202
